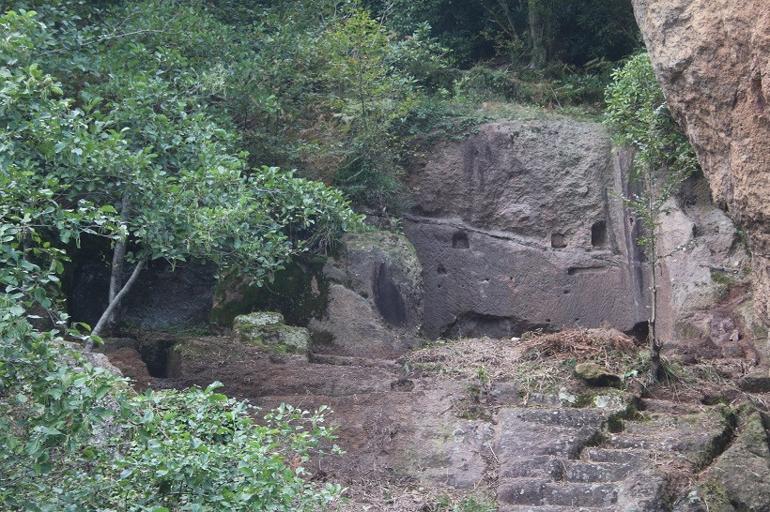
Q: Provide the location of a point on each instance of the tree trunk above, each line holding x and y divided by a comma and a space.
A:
653, 335
508, 17
651, 187
537, 25
102, 323
118, 258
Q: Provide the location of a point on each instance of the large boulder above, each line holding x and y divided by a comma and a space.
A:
374, 298
705, 268
713, 61
521, 226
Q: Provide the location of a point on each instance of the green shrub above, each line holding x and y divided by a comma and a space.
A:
75, 437
638, 115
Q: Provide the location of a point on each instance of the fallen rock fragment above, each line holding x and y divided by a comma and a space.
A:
595, 375
267, 330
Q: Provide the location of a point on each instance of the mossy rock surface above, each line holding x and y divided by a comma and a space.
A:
299, 292
595, 375
267, 330
398, 250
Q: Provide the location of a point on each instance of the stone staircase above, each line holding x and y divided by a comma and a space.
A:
561, 459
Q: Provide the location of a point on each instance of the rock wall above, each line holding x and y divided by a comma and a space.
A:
163, 298
703, 290
521, 226
712, 58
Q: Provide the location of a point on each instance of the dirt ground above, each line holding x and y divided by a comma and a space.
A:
418, 433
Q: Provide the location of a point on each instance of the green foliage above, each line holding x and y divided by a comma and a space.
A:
189, 193
76, 438
326, 93
574, 32
639, 117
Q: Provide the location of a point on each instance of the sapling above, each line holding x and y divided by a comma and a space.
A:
639, 116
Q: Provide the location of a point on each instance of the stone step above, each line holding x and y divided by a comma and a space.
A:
594, 454
554, 468
540, 466
634, 442
537, 491
591, 472
563, 417
520, 440
364, 362
551, 508
652, 405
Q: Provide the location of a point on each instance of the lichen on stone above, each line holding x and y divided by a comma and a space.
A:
267, 330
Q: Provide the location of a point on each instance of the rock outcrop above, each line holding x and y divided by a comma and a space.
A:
703, 292
163, 298
521, 226
374, 300
713, 61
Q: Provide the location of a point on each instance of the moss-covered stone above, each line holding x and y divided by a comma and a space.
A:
595, 375
266, 330
299, 292
397, 248
740, 475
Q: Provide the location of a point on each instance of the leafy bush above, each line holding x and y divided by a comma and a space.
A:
76, 438
574, 32
639, 117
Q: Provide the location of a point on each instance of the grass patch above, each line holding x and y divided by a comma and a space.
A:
539, 363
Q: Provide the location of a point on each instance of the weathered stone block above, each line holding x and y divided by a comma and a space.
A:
265, 329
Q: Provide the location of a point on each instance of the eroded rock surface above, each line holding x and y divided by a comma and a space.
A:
521, 226
713, 61
411, 432
704, 292
375, 298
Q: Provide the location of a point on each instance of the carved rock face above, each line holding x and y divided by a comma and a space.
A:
520, 226
713, 60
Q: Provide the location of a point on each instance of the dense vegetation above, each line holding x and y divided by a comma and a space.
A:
162, 127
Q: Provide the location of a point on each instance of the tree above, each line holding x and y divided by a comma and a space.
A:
538, 15
164, 175
74, 436
638, 114
531, 32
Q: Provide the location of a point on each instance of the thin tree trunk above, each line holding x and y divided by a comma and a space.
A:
653, 254
654, 342
118, 258
102, 323
537, 34
508, 17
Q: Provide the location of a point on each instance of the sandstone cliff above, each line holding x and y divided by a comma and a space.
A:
713, 60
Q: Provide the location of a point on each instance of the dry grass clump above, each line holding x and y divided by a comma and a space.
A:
607, 347
463, 358
537, 362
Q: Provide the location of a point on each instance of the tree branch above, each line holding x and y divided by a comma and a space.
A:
97, 331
